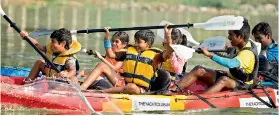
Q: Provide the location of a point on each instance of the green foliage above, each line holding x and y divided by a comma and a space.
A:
219, 4
257, 2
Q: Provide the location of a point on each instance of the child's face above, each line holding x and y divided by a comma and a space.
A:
117, 44
56, 47
263, 39
234, 39
141, 45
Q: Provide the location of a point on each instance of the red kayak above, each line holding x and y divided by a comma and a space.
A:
57, 95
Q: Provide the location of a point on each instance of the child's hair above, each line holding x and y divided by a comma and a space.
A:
122, 36
62, 35
244, 31
184, 40
262, 28
178, 38
146, 35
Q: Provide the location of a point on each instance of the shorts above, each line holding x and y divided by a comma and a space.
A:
220, 73
100, 84
120, 82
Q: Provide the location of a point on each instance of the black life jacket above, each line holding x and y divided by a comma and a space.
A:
268, 69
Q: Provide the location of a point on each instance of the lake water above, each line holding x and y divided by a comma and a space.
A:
16, 52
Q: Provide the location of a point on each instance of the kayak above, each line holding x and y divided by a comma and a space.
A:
50, 94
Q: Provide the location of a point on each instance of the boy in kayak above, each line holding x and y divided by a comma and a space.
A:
60, 50
119, 42
140, 63
268, 67
242, 67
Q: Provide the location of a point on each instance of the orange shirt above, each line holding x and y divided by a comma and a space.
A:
113, 62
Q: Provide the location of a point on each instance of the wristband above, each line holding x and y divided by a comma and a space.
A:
107, 44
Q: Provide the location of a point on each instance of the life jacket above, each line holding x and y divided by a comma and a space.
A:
240, 75
60, 60
268, 69
138, 67
168, 67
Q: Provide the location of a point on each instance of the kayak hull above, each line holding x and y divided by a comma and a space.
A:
102, 102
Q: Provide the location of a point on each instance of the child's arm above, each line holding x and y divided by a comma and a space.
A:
168, 52
70, 71
107, 44
35, 42
98, 55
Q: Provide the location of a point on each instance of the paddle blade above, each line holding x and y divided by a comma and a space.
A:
183, 51
190, 40
213, 43
2, 11
38, 33
226, 22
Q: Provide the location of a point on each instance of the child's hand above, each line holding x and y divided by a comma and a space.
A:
97, 54
167, 30
106, 33
23, 34
63, 74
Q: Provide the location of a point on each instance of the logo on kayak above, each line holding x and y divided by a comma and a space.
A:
150, 104
253, 102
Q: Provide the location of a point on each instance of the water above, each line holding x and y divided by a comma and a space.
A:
16, 52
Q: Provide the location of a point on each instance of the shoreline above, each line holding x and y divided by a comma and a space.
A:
144, 6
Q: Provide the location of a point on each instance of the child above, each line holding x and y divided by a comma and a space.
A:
119, 42
139, 65
60, 51
173, 64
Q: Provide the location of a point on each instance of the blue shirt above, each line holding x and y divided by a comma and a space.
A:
272, 51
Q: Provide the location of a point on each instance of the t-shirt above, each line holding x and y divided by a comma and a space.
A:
246, 59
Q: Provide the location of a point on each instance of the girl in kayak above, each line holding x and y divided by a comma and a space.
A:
173, 64
119, 42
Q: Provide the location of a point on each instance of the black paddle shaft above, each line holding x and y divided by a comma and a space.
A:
200, 51
35, 47
134, 28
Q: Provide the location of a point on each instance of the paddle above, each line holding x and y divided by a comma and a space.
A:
213, 44
190, 40
44, 57
226, 22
